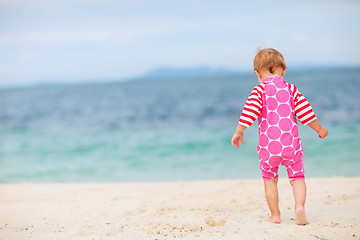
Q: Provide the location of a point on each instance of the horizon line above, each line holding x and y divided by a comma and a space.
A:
151, 75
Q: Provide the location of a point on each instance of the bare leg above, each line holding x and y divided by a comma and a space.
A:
299, 190
272, 198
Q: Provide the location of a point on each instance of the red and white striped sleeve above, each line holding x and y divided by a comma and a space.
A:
252, 107
303, 109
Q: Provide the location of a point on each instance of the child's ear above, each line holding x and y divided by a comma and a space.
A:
258, 75
283, 72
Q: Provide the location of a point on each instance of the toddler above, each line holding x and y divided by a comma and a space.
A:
276, 104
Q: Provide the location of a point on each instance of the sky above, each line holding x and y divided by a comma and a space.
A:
72, 41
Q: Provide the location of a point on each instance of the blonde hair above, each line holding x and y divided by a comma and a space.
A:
268, 59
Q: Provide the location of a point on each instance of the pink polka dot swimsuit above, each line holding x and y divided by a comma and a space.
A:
275, 103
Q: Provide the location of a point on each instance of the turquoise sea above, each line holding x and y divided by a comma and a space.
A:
166, 129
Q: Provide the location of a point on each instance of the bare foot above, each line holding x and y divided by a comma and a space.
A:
300, 217
274, 219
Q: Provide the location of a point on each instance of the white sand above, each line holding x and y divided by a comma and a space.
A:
233, 209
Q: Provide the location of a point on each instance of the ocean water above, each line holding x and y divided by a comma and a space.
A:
166, 130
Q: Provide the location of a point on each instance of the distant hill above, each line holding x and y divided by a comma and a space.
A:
211, 73
188, 73
176, 73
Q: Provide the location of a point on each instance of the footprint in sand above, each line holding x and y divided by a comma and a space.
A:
214, 222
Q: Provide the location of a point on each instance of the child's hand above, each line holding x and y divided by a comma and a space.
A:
236, 138
323, 132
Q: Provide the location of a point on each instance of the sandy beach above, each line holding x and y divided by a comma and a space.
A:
226, 209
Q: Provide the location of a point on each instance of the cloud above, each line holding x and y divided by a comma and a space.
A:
37, 4
67, 37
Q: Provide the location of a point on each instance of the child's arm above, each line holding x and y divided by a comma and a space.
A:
305, 113
238, 135
249, 114
303, 110
321, 131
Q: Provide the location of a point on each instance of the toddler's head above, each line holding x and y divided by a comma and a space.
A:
269, 61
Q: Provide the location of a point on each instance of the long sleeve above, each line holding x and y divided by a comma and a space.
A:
303, 108
252, 107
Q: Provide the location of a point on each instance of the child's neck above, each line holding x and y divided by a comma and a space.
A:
279, 72
264, 76
271, 75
